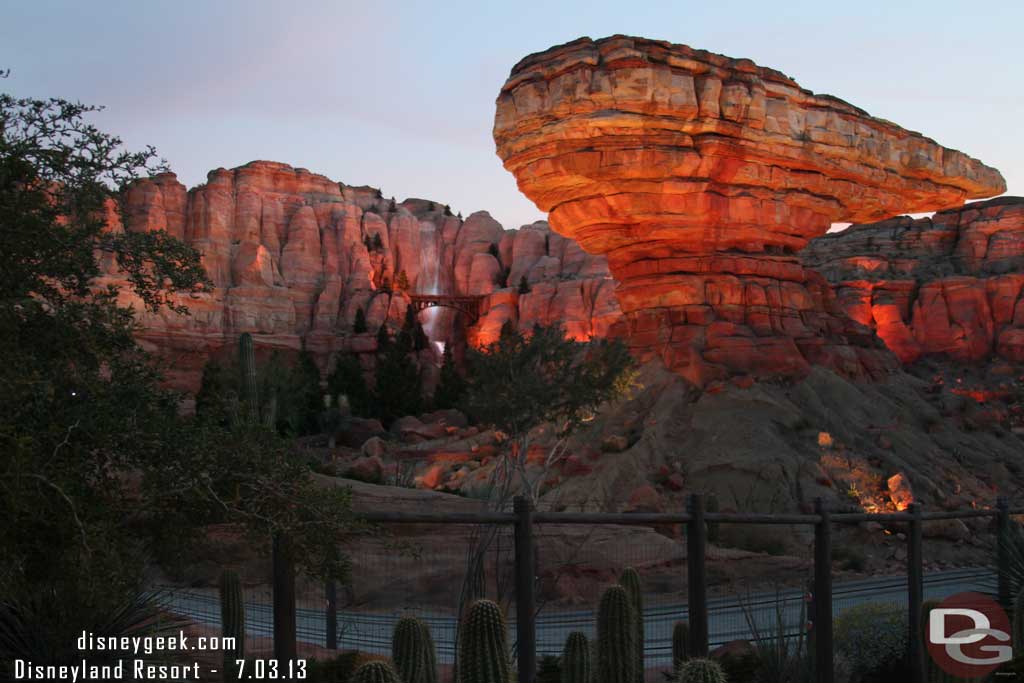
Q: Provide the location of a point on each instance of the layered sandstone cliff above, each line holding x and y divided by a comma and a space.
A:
701, 177
952, 284
293, 255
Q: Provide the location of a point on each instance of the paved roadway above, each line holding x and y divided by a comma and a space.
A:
727, 616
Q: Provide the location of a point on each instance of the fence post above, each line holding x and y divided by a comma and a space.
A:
526, 637
696, 571
332, 615
1003, 551
284, 600
915, 592
823, 594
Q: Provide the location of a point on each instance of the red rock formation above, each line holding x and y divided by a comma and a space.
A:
700, 177
286, 251
951, 284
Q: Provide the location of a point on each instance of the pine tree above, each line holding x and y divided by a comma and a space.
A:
304, 400
398, 388
451, 385
447, 210
524, 286
392, 207
420, 339
347, 378
383, 337
402, 281
214, 387
508, 330
359, 325
406, 340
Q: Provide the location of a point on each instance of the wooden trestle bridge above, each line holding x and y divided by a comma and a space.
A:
469, 306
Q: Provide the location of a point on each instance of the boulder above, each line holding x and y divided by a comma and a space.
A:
449, 417
355, 431
368, 469
375, 447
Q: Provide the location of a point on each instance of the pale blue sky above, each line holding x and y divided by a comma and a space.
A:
401, 94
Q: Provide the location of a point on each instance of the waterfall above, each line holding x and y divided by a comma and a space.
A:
429, 281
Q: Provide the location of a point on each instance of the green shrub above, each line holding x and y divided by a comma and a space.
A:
873, 638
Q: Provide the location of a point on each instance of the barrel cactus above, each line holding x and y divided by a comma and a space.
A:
232, 617
412, 651
700, 671
375, 672
616, 638
680, 643
576, 659
630, 580
483, 646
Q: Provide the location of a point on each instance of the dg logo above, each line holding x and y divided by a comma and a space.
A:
968, 635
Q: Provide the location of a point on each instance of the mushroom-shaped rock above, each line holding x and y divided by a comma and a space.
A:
701, 177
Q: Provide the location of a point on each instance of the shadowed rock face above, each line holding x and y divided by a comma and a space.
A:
701, 177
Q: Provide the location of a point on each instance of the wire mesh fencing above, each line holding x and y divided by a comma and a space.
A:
430, 565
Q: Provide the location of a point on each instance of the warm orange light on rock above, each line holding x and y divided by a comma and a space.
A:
701, 177
900, 492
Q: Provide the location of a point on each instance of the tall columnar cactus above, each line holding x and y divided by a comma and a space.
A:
247, 363
375, 672
232, 617
630, 580
700, 671
680, 643
576, 659
616, 638
412, 651
483, 646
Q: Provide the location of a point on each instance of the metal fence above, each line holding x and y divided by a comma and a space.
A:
538, 556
